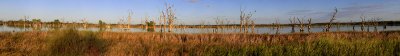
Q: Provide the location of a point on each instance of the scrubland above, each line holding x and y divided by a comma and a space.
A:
87, 43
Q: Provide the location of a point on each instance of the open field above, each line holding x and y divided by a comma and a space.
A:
73, 42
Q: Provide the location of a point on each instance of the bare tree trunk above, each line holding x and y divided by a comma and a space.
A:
362, 23
301, 24
376, 24
252, 27
146, 23
351, 21
309, 25
384, 26
292, 24
331, 20
25, 18
129, 20
244, 19
376, 28
368, 25
277, 27
170, 16
337, 26
242, 15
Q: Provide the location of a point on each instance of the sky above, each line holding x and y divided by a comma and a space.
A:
197, 11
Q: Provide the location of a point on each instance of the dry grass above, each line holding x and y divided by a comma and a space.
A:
169, 44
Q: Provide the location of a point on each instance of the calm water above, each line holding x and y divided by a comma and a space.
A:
259, 30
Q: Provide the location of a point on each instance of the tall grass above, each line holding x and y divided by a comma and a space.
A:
72, 43
86, 43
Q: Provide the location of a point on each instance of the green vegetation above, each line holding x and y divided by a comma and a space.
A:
151, 23
72, 43
36, 20
102, 24
67, 43
56, 21
319, 47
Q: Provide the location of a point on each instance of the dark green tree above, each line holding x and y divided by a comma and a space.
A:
101, 22
56, 21
151, 23
102, 25
36, 20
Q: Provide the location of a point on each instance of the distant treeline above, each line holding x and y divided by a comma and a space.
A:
382, 23
387, 23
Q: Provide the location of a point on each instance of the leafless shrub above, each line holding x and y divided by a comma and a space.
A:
84, 23
253, 27
169, 16
245, 19
353, 24
277, 26
375, 23
162, 22
130, 13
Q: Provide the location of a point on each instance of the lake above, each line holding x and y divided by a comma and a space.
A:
258, 30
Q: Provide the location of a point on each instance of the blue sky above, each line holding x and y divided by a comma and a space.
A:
194, 11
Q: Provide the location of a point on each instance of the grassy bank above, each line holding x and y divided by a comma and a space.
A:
72, 43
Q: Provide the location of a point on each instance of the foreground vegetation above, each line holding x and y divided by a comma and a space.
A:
73, 42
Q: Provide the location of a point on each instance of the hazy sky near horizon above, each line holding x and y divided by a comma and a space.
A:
195, 11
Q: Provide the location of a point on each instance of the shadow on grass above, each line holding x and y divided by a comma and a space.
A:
73, 42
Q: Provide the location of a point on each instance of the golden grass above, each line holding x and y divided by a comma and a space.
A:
170, 44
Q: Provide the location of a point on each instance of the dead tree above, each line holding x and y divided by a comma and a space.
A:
277, 26
25, 22
169, 16
384, 25
227, 22
337, 26
163, 21
376, 23
219, 22
242, 15
353, 24
362, 23
368, 25
331, 20
245, 19
202, 23
300, 24
84, 23
145, 22
309, 25
252, 26
129, 19
292, 23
